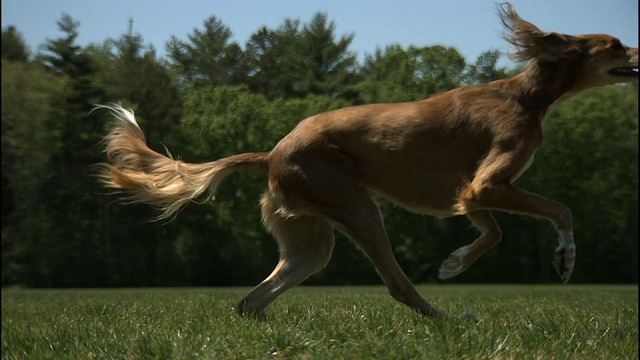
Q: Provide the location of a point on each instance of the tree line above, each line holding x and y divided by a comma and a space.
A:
212, 97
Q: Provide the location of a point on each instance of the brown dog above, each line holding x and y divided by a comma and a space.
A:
456, 153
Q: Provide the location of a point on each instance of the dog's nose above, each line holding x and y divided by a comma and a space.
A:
633, 55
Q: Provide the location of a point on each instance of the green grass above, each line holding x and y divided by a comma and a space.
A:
515, 322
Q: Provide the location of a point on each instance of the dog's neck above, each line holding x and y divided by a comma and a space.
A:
543, 85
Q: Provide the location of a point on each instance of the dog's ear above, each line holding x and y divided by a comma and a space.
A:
553, 46
531, 43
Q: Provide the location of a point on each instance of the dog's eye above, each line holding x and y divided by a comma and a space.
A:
617, 47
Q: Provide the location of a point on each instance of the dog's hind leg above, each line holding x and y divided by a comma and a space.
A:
358, 217
461, 259
306, 243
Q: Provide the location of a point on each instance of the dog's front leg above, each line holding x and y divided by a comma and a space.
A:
508, 198
462, 258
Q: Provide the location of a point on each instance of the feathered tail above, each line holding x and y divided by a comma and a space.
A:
146, 176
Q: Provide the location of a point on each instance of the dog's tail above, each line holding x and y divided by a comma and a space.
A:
146, 176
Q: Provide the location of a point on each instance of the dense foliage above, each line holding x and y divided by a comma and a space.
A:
212, 98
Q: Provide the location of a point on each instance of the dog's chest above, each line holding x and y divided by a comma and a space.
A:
524, 168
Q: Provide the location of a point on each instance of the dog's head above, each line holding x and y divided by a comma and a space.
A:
602, 59
612, 61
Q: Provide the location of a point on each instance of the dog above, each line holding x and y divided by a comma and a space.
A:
455, 153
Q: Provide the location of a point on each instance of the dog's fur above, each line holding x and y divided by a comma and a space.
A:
456, 153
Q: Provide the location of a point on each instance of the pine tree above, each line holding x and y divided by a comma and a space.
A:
13, 46
209, 58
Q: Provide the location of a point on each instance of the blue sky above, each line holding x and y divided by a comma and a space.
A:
471, 26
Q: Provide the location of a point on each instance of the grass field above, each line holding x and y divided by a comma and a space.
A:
515, 322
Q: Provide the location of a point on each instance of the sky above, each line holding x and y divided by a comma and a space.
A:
470, 26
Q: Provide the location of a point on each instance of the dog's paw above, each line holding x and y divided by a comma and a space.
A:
455, 264
469, 315
243, 310
564, 262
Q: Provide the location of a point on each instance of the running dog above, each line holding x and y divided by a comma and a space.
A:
455, 153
